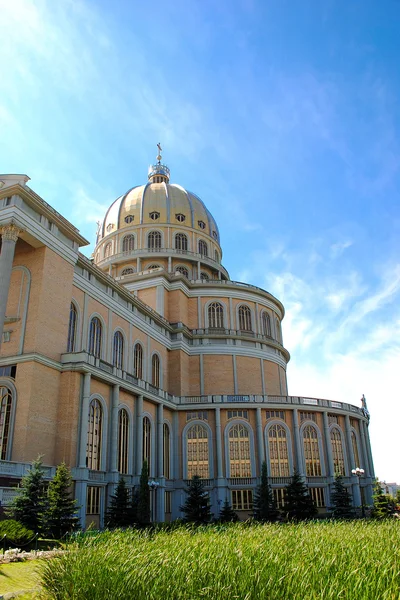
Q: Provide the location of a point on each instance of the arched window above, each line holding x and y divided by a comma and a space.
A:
95, 430
181, 241
167, 451
239, 451
154, 240
107, 250
147, 441
355, 450
204, 276
118, 350
5, 418
203, 248
138, 361
151, 267
128, 271
155, 371
183, 271
216, 256
311, 451
278, 331
197, 452
73, 318
128, 243
337, 452
245, 318
215, 315
95, 335
266, 324
278, 451
123, 440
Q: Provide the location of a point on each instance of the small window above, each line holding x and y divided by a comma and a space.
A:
128, 243
204, 276
150, 267
183, 271
214, 234
154, 240
110, 227
107, 250
203, 248
129, 219
242, 499
275, 414
128, 271
238, 414
154, 215
155, 371
181, 242
244, 318
216, 256
318, 496
307, 416
201, 224
180, 217
197, 414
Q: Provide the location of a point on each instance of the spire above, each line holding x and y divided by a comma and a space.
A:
158, 173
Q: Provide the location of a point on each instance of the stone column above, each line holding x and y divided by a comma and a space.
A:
9, 237
84, 420
169, 264
369, 451
160, 494
139, 434
260, 444
198, 269
355, 482
113, 465
218, 444
296, 435
365, 464
328, 446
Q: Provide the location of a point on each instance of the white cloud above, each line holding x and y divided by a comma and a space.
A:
338, 248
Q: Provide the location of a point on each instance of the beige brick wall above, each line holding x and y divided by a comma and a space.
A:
218, 374
148, 296
248, 371
271, 378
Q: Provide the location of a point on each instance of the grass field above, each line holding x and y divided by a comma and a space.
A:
318, 560
15, 577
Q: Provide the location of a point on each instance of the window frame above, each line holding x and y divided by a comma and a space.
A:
154, 234
72, 336
187, 427
232, 423
118, 350
129, 237
12, 393
102, 333
270, 424
320, 448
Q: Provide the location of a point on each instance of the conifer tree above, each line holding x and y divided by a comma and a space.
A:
227, 514
30, 504
264, 504
341, 500
119, 512
143, 507
60, 516
197, 504
298, 502
384, 504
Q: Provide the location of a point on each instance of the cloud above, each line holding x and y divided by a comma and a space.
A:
338, 248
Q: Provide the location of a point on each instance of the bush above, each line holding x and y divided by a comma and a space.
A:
16, 533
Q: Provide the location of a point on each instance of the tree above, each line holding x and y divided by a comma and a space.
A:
298, 502
384, 504
143, 507
60, 516
227, 514
30, 504
119, 512
341, 500
197, 504
264, 504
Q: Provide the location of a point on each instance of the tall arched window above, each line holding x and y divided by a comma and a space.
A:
311, 451
278, 331
147, 441
245, 318
215, 315
203, 248
128, 243
95, 429
5, 418
337, 452
239, 451
216, 256
167, 451
355, 450
118, 350
197, 452
123, 441
95, 335
278, 451
155, 371
154, 240
73, 318
138, 361
266, 324
181, 241
107, 250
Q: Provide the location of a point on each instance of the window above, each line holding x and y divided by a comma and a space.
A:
181, 242
168, 502
278, 331
216, 256
154, 240
107, 250
242, 499
279, 497
147, 441
118, 350
311, 451
180, 217
154, 215
155, 371
95, 429
128, 243
355, 449
204, 276
128, 271
8, 371
197, 414
214, 234
93, 500
201, 224
333, 419
110, 227
166, 454
239, 451
183, 271
203, 248
5, 418
337, 452
318, 496
266, 324
241, 414
275, 414
307, 416
123, 439
197, 452
278, 451
129, 218
151, 267
215, 315
244, 318
73, 318
95, 335
138, 361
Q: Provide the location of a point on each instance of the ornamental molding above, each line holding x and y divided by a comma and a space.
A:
10, 232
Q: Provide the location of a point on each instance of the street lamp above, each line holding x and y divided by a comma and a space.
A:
359, 473
153, 485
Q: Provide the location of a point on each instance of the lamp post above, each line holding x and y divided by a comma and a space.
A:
153, 485
359, 473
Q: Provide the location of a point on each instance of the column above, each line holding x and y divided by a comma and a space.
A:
328, 446
198, 269
160, 493
138, 264
113, 466
169, 264
364, 450
218, 442
175, 465
369, 450
139, 434
84, 420
260, 444
9, 236
296, 435
355, 482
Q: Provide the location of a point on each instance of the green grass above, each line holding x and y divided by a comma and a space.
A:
318, 560
15, 577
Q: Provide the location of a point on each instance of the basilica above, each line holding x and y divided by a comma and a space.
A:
149, 351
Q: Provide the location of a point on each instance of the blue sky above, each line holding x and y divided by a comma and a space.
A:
282, 115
